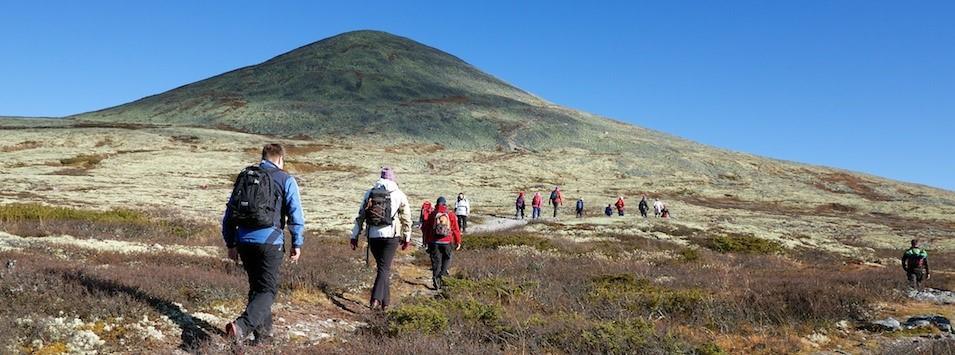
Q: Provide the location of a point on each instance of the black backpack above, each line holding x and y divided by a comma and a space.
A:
378, 208
553, 195
254, 198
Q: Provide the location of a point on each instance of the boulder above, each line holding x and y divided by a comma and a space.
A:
889, 324
940, 322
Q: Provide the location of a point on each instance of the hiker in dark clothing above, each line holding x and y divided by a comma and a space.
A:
644, 206
442, 235
915, 264
580, 208
556, 199
385, 216
608, 211
252, 229
520, 204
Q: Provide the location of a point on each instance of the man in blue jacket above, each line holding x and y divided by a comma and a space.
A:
260, 245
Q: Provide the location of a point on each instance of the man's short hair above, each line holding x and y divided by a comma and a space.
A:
915, 242
273, 151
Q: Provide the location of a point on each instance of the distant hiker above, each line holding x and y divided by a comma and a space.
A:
580, 208
620, 205
644, 207
520, 204
609, 211
462, 209
657, 207
915, 264
386, 218
556, 199
441, 234
536, 205
264, 200
665, 212
425, 212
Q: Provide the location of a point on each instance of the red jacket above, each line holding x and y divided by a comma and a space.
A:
428, 230
536, 202
619, 204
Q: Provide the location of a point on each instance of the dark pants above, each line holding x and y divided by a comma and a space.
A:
555, 210
643, 213
383, 249
620, 211
463, 223
519, 213
915, 277
580, 213
535, 212
440, 261
262, 262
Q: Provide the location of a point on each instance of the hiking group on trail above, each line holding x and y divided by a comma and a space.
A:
265, 201
556, 200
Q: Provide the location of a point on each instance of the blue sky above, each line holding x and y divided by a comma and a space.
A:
861, 85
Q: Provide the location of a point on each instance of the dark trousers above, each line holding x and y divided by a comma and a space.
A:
915, 277
535, 212
463, 223
580, 213
383, 249
262, 262
519, 213
643, 213
555, 210
620, 211
440, 260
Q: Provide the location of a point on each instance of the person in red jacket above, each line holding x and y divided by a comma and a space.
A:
620, 205
536, 205
441, 235
556, 199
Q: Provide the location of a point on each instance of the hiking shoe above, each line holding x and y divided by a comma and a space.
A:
263, 338
234, 333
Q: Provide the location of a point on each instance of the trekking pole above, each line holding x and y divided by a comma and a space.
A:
367, 251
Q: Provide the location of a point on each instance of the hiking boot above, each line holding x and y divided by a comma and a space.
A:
437, 283
234, 333
263, 337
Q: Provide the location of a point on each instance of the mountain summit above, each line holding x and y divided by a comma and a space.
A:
367, 83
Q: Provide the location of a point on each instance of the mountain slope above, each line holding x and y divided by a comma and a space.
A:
377, 84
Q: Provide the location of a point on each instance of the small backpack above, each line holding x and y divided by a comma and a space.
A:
254, 198
378, 208
442, 225
914, 259
553, 195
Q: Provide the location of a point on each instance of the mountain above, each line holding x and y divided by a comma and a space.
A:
370, 83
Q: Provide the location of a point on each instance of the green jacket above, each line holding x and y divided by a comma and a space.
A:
914, 253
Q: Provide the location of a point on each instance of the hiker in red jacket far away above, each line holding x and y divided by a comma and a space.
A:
536, 205
620, 205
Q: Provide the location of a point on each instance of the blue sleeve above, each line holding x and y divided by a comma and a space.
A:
228, 228
296, 218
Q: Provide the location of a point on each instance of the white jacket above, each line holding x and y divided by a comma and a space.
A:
462, 208
399, 208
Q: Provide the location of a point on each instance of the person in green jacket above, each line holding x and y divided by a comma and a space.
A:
915, 264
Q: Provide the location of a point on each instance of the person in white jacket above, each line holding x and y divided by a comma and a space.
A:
658, 207
385, 216
462, 209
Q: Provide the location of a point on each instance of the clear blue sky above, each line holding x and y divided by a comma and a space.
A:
862, 85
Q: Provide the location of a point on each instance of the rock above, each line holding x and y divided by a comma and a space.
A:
889, 324
843, 325
933, 296
940, 322
818, 339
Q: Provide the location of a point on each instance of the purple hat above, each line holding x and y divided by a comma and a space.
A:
389, 174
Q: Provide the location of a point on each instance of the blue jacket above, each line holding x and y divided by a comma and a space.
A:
291, 216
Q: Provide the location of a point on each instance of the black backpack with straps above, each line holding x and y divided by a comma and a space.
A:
378, 208
254, 198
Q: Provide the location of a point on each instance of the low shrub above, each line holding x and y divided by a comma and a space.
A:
416, 319
496, 241
743, 244
640, 295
